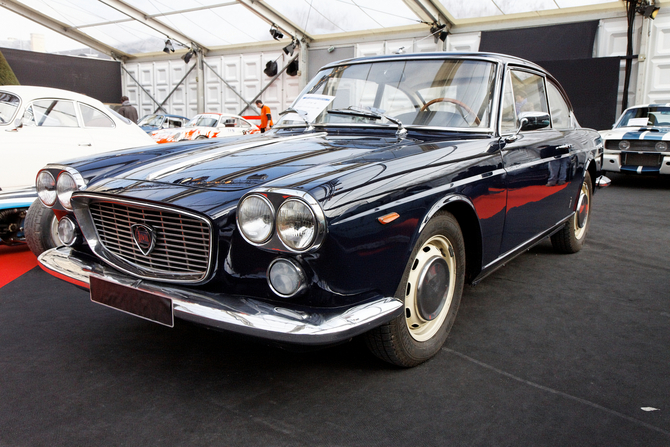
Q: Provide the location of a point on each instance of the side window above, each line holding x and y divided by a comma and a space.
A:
54, 113
524, 92
94, 117
560, 111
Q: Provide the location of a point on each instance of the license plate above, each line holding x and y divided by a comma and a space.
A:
141, 304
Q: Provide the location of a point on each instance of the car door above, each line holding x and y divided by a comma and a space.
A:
537, 162
49, 131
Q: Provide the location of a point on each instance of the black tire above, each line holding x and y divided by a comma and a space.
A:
201, 137
571, 237
419, 333
41, 228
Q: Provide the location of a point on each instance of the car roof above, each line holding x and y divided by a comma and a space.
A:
493, 57
29, 92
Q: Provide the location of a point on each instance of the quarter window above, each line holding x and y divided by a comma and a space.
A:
560, 111
524, 92
94, 118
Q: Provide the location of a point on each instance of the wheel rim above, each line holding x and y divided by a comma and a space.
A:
583, 211
430, 288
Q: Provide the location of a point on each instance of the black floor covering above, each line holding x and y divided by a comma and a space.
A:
557, 350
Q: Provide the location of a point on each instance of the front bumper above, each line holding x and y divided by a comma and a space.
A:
246, 315
612, 163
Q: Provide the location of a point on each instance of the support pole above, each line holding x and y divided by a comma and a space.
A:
200, 81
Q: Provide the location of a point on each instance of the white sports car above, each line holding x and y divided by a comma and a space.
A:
638, 142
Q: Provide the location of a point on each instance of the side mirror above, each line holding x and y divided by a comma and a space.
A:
533, 120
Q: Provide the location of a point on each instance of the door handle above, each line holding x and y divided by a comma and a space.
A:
563, 149
85, 144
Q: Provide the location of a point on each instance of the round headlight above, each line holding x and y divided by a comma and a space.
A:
296, 225
67, 231
46, 188
624, 145
255, 217
285, 277
662, 146
66, 186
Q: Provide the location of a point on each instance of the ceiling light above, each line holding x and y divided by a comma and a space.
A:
270, 68
168, 47
439, 32
288, 49
649, 11
187, 57
292, 68
276, 34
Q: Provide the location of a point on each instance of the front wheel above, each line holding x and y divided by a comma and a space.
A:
431, 288
570, 238
41, 228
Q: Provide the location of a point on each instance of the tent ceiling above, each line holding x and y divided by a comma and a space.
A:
137, 28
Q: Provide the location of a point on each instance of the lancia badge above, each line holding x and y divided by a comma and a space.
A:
144, 237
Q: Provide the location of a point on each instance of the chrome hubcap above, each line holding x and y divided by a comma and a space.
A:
430, 288
582, 214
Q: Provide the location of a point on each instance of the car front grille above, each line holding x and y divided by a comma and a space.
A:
635, 145
647, 160
182, 250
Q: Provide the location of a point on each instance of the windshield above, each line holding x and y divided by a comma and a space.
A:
453, 93
8, 105
658, 116
151, 120
204, 121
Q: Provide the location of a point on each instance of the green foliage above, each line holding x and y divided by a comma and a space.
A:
7, 76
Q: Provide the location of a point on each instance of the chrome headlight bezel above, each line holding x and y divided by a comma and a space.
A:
59, 174
45, 183
241, 224
277, 197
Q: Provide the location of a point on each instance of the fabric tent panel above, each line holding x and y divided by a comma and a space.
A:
76, 12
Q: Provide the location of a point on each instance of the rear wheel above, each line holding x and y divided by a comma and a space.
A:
431, 289
41, 228
571, 237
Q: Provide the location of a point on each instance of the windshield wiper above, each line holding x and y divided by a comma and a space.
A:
372, 114
302, 114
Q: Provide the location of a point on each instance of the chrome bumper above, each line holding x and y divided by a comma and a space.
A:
312, 326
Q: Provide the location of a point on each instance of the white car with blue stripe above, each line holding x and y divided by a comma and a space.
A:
639, 141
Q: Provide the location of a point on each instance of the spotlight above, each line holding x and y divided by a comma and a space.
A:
168, 47
292, 68
649, 11
270, 68
187, 57
439, 32
276, 34
288, 49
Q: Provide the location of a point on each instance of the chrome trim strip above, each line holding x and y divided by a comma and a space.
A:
247, 315
80, 202
301, 273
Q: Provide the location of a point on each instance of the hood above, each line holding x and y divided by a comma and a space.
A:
637, 133
211, 178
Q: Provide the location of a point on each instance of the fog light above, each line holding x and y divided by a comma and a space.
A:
67, 231
285, 277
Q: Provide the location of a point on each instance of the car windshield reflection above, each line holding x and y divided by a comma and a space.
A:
418, 93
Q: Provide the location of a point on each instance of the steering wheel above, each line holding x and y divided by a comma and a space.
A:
460, 104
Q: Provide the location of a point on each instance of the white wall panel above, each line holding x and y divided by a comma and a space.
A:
370, 49
657, 75
465, 42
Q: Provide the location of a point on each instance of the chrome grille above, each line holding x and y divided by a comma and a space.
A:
182, 249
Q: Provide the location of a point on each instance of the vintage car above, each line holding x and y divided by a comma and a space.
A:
389, 183
638, 142
40, 125
207, 125
151, 123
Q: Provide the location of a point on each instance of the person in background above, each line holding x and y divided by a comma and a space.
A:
127, 110
266, 116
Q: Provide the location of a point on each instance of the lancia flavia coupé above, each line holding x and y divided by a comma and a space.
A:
389, 183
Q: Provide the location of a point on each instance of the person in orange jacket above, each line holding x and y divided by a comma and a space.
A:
266, 116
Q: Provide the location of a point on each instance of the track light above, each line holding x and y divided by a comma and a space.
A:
276, 34
168, 47
292, 68
648, 11
290, 48
187, 57
439, 32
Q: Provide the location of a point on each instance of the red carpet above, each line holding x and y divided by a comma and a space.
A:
14, 262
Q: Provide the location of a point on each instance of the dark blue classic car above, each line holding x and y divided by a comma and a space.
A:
389, 183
